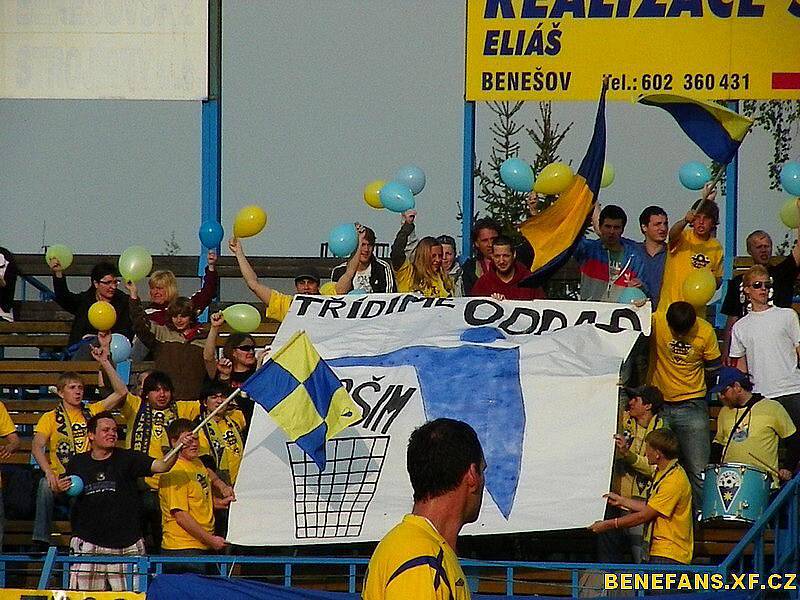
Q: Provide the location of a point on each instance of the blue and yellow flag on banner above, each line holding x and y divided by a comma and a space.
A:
304, 396
716, 130
555, 232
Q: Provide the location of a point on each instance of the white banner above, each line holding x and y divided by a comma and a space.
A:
104, 49
537, 380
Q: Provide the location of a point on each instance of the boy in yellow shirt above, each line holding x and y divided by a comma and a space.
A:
187, 504
667, 511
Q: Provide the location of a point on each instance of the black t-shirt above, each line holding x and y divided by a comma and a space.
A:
783, 276
107, 512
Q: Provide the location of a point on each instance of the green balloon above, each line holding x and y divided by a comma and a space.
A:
609, 173
789, 213
60, 252
243, 318
135, 263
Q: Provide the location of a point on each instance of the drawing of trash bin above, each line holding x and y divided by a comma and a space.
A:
334, 502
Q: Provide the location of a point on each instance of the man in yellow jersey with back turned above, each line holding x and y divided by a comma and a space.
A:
417, 558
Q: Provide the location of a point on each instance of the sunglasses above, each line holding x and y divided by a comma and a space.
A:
109, 282
757, 285
246, 348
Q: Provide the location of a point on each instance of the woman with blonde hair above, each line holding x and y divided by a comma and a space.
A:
164, 289
421, 272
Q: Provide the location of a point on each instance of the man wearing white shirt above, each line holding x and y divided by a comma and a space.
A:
766, 344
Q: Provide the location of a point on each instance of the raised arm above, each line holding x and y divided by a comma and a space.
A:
63, 297
345, 283
143, 327
205, 295
101, 355
210, 346
263, 292
398, 251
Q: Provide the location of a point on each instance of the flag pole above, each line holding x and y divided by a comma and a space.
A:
208, 417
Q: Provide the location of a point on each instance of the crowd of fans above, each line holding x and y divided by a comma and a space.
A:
140, 498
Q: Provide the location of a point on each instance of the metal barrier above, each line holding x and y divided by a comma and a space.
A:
782, 517
142, 568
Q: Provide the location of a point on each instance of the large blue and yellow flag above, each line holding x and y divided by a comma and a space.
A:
555, 232
304, 396
716, 130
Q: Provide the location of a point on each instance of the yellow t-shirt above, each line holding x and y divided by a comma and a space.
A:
672, 535
6, 425
414, 561
57, 434
229, 437
432, 289
757, 434
677, 364
159, 442
278, 306
689, 254
185, 487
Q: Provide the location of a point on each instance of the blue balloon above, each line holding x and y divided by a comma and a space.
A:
357, 292
397, 197
631, 294
694, 175
517, 174
343, 239
76, 487
412, 177
211, 234
120, 348
790, 178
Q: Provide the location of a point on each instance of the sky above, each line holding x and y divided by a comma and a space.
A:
319, 98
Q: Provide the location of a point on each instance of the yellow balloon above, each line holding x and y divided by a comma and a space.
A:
553, 179
699, 287
328, 289
102, 315
372, 193
790, 214
249, 221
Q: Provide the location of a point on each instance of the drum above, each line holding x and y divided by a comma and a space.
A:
734, 492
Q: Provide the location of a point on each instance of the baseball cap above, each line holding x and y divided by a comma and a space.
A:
727, 376
306, 275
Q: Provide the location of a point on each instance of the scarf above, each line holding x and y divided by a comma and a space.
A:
146, 418
219, 442
65, 435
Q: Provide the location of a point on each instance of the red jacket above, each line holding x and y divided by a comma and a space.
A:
489, 283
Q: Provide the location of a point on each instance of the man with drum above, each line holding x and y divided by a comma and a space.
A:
749, 426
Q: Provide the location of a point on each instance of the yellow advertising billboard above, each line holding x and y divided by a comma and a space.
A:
561, 49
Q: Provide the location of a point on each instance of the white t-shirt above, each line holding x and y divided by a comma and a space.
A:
361, 280
767, 339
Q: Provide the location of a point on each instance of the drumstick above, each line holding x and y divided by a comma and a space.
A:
763, 464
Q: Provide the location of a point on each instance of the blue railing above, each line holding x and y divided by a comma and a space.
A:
780, 518
45, 293
778, 526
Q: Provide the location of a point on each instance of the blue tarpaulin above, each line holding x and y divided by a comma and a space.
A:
191, 587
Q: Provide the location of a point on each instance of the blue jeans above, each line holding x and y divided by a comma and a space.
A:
45, 506
689, 421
